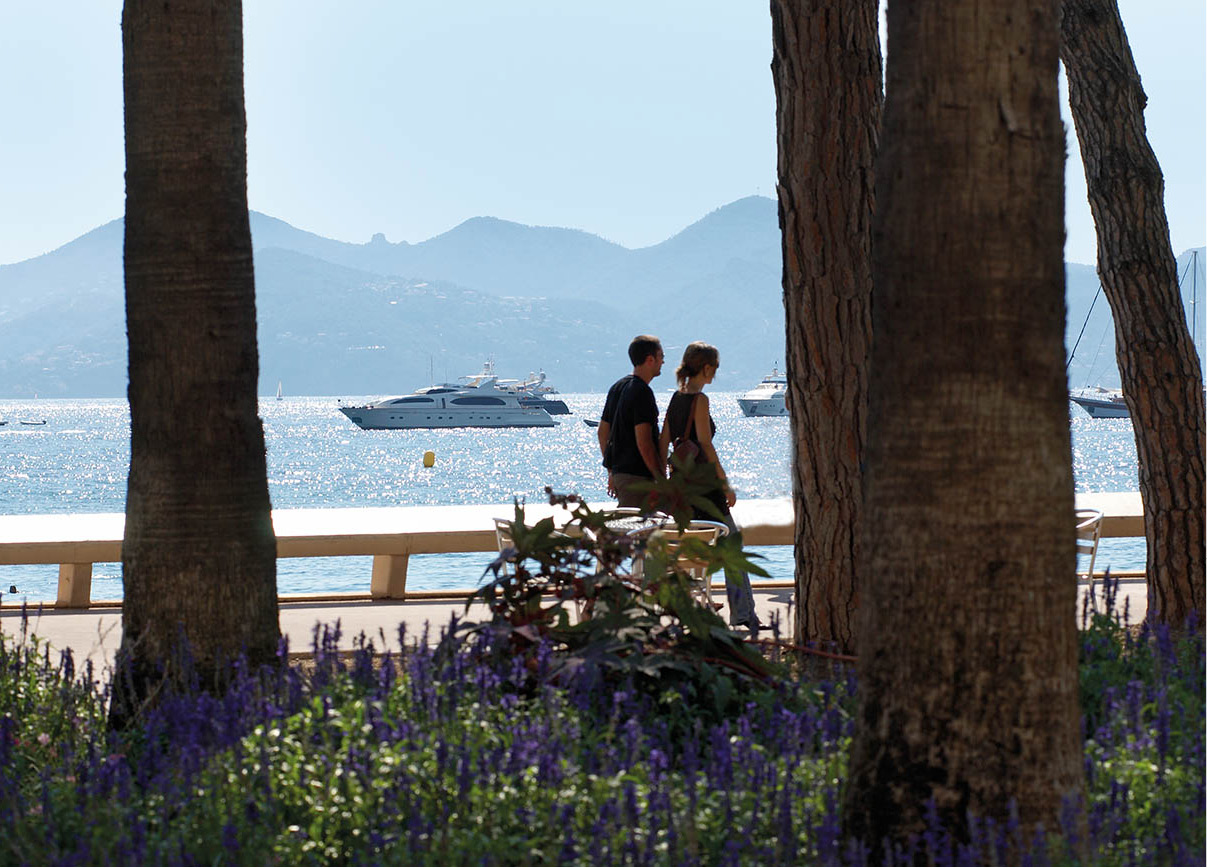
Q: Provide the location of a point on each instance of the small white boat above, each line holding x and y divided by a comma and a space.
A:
768, 398
1101, 403
476, 403
278, 390
32, 421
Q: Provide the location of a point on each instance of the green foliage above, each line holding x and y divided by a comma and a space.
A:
684, 493
470, 755
430, 765
41, 706
1142, 694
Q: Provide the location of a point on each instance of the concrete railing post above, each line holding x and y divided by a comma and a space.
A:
75, 586
389, 577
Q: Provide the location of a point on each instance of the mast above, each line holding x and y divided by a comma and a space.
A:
1194, 296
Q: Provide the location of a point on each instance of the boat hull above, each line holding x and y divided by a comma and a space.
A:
1100, 409
763, 406
552, 406
391, 418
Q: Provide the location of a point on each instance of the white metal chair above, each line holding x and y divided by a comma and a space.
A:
503, 538
705, 531
1089, 530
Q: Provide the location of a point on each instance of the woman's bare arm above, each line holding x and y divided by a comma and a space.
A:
664, 438
704, 436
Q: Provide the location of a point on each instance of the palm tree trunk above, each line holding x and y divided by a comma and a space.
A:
967, 640
826, 68
1159, 367
199, 554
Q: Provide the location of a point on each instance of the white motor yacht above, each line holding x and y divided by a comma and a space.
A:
768, 398
1101, 403
477, 403
533, 392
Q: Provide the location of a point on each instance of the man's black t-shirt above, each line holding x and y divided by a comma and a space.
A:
630, 402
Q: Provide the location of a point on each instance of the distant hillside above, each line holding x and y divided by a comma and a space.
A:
531, 297
506, 258
494, 255
352, 319
330, 330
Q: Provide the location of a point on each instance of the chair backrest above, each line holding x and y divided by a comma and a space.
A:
704, 531
720, 527
1089, 530
503, 538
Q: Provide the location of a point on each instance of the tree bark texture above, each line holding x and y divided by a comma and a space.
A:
827, 72
1159, 367
967, 634
199, 554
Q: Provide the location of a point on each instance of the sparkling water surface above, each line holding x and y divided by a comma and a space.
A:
77, 462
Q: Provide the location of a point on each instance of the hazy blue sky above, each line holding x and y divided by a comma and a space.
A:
626, 119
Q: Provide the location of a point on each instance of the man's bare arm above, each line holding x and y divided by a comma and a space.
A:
644, 432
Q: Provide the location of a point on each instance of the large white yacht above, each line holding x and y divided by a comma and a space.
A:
475, 403
768, 398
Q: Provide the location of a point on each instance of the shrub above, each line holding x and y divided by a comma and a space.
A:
648, 631
1142, 700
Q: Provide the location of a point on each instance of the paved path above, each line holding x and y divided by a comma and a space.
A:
96, 633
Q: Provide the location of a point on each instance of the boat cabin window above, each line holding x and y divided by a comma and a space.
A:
474, 399
413, 401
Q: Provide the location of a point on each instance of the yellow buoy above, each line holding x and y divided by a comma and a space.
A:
429, 458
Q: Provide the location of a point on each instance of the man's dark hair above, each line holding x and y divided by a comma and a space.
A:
642, 347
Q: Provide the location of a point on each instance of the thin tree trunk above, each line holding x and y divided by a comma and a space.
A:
967, 635
1158, 364
826, 68
199, 554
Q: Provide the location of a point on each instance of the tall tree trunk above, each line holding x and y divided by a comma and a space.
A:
199, 554
826, 68
967, 635
1157, 360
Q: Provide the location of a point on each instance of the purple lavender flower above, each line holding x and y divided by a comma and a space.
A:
828, 832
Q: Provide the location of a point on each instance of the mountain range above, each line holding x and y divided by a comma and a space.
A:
339, 318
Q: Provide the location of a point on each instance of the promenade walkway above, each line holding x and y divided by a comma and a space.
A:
95, 633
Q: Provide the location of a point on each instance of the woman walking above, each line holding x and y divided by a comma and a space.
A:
688, 417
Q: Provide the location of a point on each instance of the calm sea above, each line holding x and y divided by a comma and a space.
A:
77, 462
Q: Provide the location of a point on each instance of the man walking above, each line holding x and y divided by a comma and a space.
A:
628, 426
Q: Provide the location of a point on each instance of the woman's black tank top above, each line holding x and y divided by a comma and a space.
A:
678, 416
